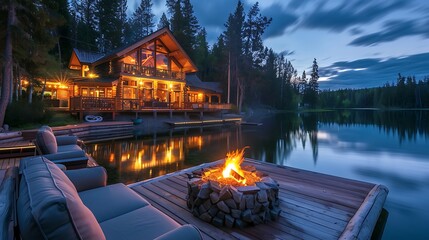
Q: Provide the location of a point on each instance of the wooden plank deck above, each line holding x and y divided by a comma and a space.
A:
314, 205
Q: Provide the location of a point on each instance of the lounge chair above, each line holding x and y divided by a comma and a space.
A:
77, 204
60, 149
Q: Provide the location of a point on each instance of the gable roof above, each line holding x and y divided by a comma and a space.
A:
193, 81
167, 39
80, 57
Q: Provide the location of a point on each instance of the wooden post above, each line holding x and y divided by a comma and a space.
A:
114, 108
80, 109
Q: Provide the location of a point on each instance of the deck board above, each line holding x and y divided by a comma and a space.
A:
314, 205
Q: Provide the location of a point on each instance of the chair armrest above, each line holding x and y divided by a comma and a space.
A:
66, 140
66, 155
188, 232
87, 178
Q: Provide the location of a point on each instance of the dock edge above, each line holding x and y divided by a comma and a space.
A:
362, 224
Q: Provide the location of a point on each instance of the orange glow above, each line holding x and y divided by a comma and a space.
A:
233, 162
231, 173
92, 75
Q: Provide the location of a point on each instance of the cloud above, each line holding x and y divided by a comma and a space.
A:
373, 72
282, 19
287, 53
350, 13
393, 30
356, 31
213, 13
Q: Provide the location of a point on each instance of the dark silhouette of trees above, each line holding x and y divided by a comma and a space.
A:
311, 92
407, 93
142, 21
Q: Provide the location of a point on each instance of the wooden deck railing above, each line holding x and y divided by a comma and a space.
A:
124, 104
151, 72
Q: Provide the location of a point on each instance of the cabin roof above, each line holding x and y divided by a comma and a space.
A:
87, 57
193, 81
166, 38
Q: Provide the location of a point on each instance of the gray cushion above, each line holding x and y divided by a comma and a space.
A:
66, 140
187, 232
120, 199
46, 127
46, 141
68, 148
49, 206
7, 206
87, 178
143, 223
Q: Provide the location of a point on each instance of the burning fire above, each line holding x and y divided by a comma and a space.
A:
232, 173
232, 167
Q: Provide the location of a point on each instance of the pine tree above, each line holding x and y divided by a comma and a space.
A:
163, 22
202, 54
218, 65
184, 24
64, 45
191, 28
254, 28
314, 77
85, 24
28, 41
112, 24
302, 83
312, 88
142, 21
234, 43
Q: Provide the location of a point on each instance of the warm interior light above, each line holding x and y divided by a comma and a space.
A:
92, 75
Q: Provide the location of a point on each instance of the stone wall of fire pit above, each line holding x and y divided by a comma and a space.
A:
233, 206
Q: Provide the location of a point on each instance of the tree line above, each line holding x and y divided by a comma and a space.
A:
39, 36
407, 92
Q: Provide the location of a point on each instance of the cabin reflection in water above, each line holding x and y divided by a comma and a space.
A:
139, 159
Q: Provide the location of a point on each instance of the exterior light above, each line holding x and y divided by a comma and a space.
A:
92, 75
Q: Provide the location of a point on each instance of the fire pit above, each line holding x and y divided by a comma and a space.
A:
229, 195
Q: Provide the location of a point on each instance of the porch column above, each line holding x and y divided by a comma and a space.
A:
155, 89
181, 95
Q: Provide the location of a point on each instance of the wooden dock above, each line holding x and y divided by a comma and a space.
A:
185, 124
314, 205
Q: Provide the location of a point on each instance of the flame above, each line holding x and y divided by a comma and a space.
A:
232, 166
231, 172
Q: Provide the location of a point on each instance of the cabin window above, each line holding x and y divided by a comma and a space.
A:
147, 59
109, 93
131, 58
161, 61
92, 92
101, 93
162, 86
130, 93
84, 92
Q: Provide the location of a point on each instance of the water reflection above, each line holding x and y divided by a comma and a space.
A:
282, 138
146, 157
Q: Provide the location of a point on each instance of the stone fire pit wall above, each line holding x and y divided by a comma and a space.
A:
233, 206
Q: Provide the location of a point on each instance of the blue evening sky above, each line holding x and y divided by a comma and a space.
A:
357, 43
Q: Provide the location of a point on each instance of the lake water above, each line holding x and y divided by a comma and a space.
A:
384, 147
